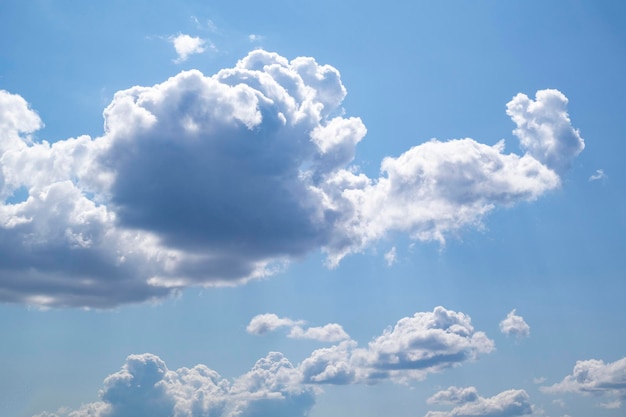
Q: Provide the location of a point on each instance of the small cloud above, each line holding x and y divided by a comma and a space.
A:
539, 380
264, 323
514, 325
599, 175
559, 402
611, 404
186, 46
255, 38
511, 403
391, 257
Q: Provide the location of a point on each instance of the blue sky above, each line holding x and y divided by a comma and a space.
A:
312, 209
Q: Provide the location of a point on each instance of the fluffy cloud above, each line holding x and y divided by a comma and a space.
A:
186, 45
425, 343
468, 403
595, 377
215, 180
264, 323
514, 325
146, 387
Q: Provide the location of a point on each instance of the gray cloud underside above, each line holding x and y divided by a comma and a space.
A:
415, 346
215, 180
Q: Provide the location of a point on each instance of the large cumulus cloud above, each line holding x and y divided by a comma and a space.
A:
214, 180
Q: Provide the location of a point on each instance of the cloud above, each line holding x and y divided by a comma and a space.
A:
216, 180
595, 377
146, 387
416, 346
425, 343
187, 45
544, 128
391, 257
599, 175
514, 325
468, 403
264, 323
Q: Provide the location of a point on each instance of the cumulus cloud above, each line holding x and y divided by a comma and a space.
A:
186, 45
146, 387
425, 343
468, 403
514, 325
264, 323
595, 377
416, 346
215, 180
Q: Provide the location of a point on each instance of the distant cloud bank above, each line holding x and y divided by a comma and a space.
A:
425, 343
215, 180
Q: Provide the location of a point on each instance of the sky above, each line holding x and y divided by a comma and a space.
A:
322, 209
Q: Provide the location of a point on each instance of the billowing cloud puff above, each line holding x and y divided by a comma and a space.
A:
511, 403
146, 387
595, 377
544, 128
264, 323
215, 180
186, 45
514, 325
416, 346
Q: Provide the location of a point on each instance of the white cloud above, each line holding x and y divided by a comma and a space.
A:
331, 332
202, 181
468, 403
416, 346
544, 128
146, 387
186, 45
264, 323
391, 257
514, 325
425, 343
595, 377
599, 175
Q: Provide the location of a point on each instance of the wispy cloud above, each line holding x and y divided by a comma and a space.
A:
599, 175
215, 180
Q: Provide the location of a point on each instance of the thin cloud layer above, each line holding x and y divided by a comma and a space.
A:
215, 180
511, 403
595, 377
514, 325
